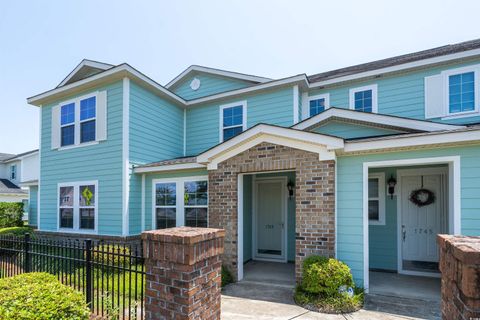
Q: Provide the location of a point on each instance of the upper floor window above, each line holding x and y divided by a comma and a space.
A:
461, 92
13, 172
376, 198
364, 99
232, 120
180, 202
87, 119
67, 122
77, 206
318, 104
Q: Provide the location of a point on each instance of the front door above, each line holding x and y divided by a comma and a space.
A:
270, 220
421, 224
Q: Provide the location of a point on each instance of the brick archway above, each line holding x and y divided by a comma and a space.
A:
314, 198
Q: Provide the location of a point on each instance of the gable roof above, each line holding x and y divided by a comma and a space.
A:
84, 69
5, 156
8, 187
372, 119
17, 156
193, 69
397, 60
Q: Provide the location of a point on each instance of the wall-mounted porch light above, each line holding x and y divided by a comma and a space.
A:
391, 186
290, 187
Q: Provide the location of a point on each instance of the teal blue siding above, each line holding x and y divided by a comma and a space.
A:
349, 198
248, 213
149, 184
102, 162
209, 85
32, 205
401, 94
273, 107
350, 130
156, 133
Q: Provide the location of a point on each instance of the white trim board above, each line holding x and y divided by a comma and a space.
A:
371, 87
454, 194
170, 167
125, 157
242, 104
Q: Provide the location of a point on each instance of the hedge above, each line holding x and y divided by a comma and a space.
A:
16, 231
11, 214
40, 296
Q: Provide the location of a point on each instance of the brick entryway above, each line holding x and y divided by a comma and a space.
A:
314, 198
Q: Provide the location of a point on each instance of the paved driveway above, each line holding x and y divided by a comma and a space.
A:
253, 300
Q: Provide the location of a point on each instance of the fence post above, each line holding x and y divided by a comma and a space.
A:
26, 253
88, 271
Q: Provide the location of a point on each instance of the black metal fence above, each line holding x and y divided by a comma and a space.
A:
110, 274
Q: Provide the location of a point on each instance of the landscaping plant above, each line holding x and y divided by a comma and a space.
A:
11, 214
40, 296
227, 276
327, 286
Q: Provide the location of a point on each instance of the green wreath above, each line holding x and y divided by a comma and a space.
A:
422, 197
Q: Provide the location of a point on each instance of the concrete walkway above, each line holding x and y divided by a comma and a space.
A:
255, 300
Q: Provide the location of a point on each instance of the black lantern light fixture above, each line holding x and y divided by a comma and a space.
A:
290, 187
391, 186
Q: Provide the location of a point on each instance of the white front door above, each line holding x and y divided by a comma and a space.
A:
270, 209
420, 225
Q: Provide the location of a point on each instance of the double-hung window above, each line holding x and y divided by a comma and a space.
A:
77, 206
364, 99
67, 122
180, 202
318, 104
461, 92
376, 198
87, 119
13, 172
233, 120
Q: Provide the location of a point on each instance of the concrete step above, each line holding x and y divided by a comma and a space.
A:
407, 307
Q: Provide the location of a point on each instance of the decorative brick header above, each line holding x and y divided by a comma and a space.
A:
183, 269
460, 267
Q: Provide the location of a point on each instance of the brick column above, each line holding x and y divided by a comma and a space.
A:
183, 269
460, 267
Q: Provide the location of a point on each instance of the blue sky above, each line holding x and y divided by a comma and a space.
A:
42, 41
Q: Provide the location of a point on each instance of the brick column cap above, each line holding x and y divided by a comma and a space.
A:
464, 248
183, 235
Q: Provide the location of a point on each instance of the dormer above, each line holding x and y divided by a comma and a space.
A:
83, 70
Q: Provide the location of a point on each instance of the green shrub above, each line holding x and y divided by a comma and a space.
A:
11, 214
16, 231
112, 253
324, 284
227, 276
40, 296
325, 275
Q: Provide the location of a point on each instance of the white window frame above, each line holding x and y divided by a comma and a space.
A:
13, 172
446, 91
244, 116
76, 206
373, 87
77, 122
381, 198
180, 194
325, 96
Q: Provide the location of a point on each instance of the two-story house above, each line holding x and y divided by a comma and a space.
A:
366, 163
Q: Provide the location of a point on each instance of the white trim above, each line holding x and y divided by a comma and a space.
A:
125, 156
295, 104
240, 248
454, 196
413, 141
87, 63
446, 91
373, 118
184, 132
180, 205
170, 167
40, 111
325, 96
223, 73
415, 172
314, 142
284, 202
400, 67
381, 198
76, 206
243, 104
143, 204
80, 145
373, 88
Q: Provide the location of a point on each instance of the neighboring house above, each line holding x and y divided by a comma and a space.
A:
19, 177
321, 164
